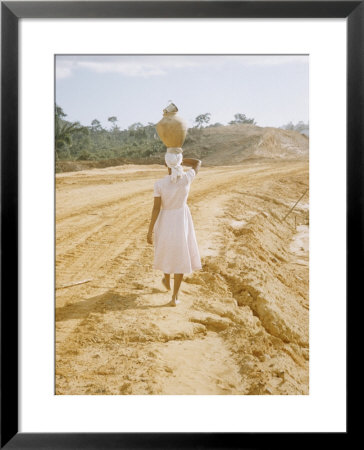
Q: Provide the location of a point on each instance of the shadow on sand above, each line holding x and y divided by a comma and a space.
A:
107, 302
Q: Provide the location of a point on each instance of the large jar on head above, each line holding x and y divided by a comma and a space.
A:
172, 129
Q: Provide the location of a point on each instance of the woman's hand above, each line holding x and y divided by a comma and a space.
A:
192, 162
155, 214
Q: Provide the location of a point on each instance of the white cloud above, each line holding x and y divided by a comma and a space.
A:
133, 66
63, 70
128, 69
273, 60
159, 65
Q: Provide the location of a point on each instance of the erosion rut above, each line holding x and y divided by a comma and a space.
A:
242, 324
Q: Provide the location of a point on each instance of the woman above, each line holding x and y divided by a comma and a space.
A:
175, 246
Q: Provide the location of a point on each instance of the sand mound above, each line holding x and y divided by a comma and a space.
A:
235, 144
282, 144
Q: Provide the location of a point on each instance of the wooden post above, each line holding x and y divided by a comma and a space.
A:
293, 207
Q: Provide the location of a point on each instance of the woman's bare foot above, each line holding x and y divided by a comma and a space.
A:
173, 302
165, 284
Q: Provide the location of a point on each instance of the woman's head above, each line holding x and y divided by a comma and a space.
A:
173, 162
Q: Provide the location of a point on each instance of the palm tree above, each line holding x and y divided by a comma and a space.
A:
64, 130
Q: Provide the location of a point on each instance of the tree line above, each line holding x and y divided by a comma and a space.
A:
203, 120
77, 142
74, 141
299, 126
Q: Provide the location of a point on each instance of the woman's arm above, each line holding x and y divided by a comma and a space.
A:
192, 162
155, 214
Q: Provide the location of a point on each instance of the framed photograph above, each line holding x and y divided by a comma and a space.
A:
181, 221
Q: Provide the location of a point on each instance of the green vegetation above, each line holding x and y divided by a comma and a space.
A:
300, 126
202, 119
75, 142
64, 134
241, 118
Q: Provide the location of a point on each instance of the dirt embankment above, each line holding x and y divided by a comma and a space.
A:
242, 325
235, 144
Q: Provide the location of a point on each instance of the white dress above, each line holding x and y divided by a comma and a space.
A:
175, 245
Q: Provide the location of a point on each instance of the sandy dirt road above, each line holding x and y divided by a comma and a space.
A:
242, 325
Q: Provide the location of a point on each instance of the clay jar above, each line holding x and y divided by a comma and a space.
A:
172, 129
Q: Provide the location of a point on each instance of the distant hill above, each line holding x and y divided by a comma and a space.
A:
220, 145
233, 144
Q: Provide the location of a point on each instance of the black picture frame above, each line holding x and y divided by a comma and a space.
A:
11, 12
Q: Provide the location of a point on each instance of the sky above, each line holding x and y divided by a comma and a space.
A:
272, 89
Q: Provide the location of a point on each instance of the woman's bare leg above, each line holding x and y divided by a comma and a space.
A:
176, 285
166, 281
